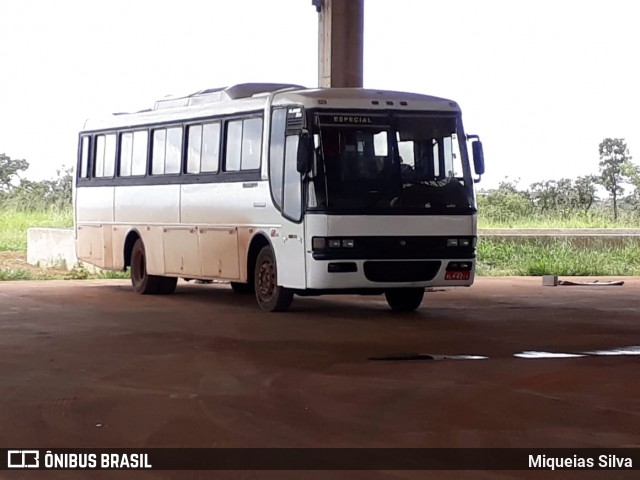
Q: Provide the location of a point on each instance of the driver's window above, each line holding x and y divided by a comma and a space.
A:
453, 161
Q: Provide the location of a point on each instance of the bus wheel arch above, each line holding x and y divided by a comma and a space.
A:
129, 242
257, 243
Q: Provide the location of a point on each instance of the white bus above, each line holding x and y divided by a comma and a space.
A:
283, 190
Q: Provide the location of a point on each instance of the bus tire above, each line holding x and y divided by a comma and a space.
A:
142, 282
167, 285
270, 296
404, 299
242, 288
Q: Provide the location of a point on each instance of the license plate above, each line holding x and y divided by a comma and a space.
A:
466, 275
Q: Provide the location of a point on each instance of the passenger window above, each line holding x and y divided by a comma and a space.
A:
251, 143
174, 150
157, 158
84, 157
140, 146
194, 149
203, 148
210, 147
98, 170
110, 155
166, 156
234, 146
105, 156
126, 143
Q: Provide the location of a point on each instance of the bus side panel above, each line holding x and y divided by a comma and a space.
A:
94, 207
227, 216
219, 252
181, 251
159, 210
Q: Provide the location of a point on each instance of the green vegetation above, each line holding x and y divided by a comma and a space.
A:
537, 256
14, 224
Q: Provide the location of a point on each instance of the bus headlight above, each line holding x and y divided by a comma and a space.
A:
322, 243
461, 242
319, 243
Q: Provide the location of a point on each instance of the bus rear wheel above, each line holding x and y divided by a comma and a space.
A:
141, 281
270, 296
404, 299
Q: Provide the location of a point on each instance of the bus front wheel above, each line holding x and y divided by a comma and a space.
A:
144, 283
404, 299
269, 295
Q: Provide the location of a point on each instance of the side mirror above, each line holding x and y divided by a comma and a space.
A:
305, 152
478, 155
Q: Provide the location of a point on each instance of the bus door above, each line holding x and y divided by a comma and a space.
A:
286, 189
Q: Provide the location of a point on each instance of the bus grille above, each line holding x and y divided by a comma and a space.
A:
401, 271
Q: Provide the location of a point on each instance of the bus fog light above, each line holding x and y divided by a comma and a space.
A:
334, 243
348, 243
464, 242
452, 242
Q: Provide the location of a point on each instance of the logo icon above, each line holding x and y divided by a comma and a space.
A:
23, 459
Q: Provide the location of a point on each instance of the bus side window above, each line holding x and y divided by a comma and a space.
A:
166, 156
194, 148
233, 151
173, 156
210, 147
84, 157
139, 152
105, 156
159, 149
203, 146
276, 154
292, 191
251, 143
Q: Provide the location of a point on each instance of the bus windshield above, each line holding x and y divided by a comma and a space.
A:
367, 164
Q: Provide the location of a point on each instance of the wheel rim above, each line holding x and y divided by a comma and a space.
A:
266, 280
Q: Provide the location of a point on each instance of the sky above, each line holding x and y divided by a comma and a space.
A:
542, 82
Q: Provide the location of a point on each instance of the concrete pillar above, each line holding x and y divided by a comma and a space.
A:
340, 42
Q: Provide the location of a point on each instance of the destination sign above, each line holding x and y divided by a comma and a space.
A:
347, 119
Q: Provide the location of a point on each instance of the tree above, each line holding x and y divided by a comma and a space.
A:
615, 168
585, 190
9, 171
55, 193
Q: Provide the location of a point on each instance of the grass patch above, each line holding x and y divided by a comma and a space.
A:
14, 224
574, 219
553, 256
80, 272
13, 274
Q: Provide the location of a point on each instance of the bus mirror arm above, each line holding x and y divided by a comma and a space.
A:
305, 152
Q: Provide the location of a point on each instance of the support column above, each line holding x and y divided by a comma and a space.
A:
340, 42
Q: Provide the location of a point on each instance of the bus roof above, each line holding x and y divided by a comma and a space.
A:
255, 96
